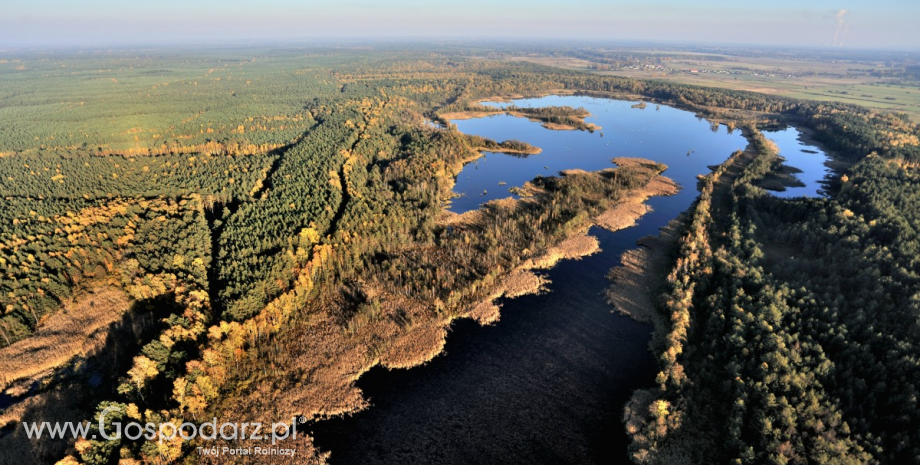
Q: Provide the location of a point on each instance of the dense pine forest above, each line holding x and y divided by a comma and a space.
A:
281, 213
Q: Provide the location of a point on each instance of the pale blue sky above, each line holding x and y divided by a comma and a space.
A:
807, 23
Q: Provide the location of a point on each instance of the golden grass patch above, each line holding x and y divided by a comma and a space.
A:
626, 212
635, 283
78, 329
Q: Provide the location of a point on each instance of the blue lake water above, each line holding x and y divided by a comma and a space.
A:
806, 157
547, 383
674, 137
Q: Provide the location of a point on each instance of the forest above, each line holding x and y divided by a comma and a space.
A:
792, 333
259, 197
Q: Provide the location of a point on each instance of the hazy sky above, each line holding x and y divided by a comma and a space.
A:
807, 23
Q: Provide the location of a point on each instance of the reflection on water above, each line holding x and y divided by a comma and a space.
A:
547, 383
806, 157
674, 137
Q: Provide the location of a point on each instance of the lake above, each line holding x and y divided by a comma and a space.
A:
547, 383
804, 156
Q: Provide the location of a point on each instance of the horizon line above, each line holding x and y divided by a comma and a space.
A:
328, 41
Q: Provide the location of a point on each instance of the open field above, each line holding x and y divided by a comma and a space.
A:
812, 80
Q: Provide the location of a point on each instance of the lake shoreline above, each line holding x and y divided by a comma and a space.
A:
426, 340
507, 151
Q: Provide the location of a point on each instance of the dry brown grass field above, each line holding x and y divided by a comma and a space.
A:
80, 328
